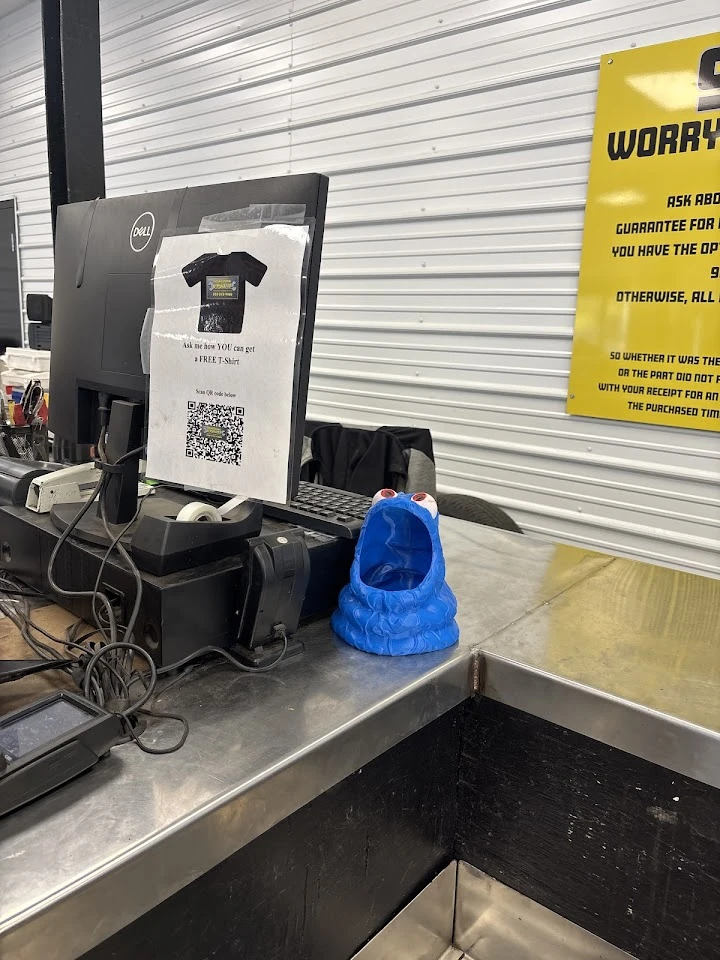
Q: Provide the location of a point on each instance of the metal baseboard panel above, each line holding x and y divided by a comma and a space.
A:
466, 915
493, 922
424, 929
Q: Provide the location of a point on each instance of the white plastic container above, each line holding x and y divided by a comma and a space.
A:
31, 361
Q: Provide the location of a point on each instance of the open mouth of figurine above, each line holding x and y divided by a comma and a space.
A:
397, 549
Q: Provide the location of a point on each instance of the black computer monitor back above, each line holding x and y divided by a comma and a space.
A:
104, 252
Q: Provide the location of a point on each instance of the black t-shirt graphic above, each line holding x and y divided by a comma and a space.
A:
223, 278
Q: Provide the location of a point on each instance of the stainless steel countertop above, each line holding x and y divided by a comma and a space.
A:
602, 645
629, 656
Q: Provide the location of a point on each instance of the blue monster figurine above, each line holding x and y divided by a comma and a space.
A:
397, 601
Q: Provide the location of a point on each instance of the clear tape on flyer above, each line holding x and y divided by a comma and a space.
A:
256, 217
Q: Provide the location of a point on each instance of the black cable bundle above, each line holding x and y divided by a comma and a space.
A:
104, 668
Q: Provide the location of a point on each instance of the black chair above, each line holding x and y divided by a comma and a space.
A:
463, 506
459, 505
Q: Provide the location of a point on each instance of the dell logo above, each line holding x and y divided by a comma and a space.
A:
141, 231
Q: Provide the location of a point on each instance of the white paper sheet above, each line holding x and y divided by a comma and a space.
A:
220, 403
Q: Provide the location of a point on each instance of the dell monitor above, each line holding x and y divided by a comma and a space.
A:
104, 253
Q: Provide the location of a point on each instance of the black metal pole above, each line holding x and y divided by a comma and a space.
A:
73, 101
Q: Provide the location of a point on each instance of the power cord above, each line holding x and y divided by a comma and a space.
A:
6, 591
92, 594
157, 715
106, 673
221, 652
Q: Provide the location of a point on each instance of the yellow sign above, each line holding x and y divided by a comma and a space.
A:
647, 327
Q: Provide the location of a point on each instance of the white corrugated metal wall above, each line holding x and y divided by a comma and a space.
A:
23, 144
457, 137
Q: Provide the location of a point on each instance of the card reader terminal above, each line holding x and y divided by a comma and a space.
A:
48, 743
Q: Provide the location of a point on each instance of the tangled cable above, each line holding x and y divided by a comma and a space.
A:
102, 661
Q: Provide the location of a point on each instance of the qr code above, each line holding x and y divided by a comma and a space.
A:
214, 432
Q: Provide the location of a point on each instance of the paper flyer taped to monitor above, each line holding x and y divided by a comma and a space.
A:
222, 359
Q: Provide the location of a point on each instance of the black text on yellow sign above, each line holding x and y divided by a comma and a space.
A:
647, 326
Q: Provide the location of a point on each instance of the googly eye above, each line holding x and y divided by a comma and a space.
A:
385, 494
425, 500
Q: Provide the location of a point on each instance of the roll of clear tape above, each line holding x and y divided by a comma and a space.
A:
192, 512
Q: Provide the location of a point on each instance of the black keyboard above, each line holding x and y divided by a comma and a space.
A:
323, 509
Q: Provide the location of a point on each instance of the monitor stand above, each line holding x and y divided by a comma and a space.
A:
121, 463
159, 543
91, 528
123, 449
